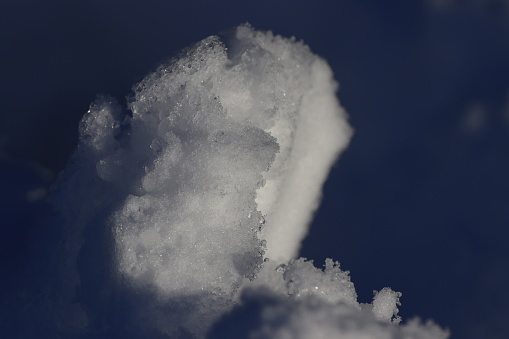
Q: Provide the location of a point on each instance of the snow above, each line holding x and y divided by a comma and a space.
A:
385, 305
262, 314
199, 193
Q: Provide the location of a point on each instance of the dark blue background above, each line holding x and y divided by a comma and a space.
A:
418, 202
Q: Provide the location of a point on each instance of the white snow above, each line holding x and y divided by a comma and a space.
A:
385, 305
203, 189
311, 317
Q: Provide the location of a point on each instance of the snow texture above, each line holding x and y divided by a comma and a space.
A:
262, 314
385, 305
199, 193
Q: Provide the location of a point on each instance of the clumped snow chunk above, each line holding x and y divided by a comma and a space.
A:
385, 305
333, 285
100, 125
215, 166
209, 130
201, 190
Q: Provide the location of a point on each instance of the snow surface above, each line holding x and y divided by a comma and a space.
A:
263, 314
184, 208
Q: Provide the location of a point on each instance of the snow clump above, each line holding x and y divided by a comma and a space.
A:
200, 191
